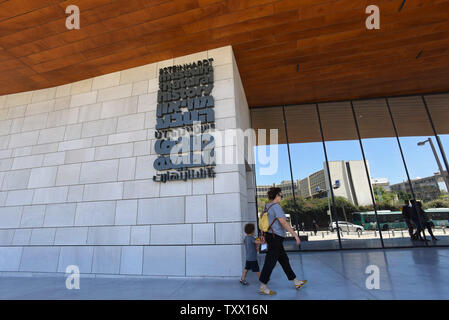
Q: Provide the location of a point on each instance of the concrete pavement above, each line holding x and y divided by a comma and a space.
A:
415, 273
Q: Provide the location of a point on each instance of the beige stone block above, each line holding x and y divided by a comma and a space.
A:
118, 108
221, 55
44, 94
81, 86
140, 87
90, 112
139, 73
117, 92
63, 91
83, 99
16, 112
18, 99
62, 103
131, 122
40, 107
106, 81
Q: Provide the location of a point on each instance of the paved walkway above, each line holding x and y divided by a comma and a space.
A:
419, 273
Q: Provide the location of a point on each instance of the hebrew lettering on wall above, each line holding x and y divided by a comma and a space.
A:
184, 116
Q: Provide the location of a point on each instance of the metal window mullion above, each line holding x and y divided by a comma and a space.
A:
334, 206
367, 174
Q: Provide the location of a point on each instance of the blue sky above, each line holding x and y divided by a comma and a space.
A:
382, 154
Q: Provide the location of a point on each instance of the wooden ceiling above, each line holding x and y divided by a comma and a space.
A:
289, 51
373, 118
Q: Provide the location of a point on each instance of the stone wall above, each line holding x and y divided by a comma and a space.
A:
76, 188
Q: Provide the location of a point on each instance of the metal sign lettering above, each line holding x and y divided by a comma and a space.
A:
185, 103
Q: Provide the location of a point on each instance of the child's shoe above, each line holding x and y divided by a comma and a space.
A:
244, 282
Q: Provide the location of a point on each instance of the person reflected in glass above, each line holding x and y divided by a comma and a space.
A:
274, 238
314, 227
406, 215
417, 221
425, 219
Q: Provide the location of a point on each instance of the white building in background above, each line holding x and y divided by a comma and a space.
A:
427, 188
381, 182
348, 181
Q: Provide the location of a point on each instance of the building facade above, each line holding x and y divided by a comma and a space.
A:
286, 189
348, 182
381, 183
77, 188
427, 189
345, 184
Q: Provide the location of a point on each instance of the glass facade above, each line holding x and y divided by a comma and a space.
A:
370, 173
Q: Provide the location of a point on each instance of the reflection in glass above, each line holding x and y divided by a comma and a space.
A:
396, 171
423, 163
438, 209
386, 170
309, 175
348, 176
271, 118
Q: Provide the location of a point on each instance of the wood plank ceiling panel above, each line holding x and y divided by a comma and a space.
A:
288, 51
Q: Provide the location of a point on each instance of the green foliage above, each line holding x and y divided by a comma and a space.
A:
437, 203
261, 203
316, 209
385, 197
444, 196
404, 196
387, 206
307, 210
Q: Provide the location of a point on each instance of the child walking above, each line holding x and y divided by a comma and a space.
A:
251, 246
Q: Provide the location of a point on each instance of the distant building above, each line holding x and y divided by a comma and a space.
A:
262, 190
381, 182
286, 188
426, 189
348, 180
313, 186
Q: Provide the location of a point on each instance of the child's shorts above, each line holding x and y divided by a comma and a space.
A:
252, 265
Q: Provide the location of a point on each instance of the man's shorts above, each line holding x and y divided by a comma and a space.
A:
252, 265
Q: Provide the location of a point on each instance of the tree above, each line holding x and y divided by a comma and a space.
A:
288, 206
404, 196
261, 202
437, 203
316, 209
385, 197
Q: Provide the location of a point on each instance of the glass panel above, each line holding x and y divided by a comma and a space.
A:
271, 161
349, 181
386, 170
387, 174
417, 140
439, 109
312, 201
